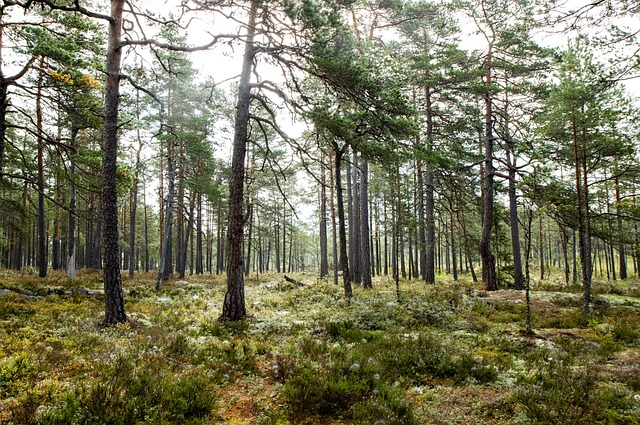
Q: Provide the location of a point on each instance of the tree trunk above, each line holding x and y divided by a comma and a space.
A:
430, 264
621, 246
515, 229
333, 224
42, 235
324, 246
71, 259
365, 250
114, 296
234, 304
344, 262
165, 251
199, 260
541, 247
489, 276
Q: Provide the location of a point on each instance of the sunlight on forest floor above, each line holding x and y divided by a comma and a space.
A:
444, 354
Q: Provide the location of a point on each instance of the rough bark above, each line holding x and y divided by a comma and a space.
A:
621, 246
430, 264
489, 276
165, 251
515, 231
114, 296
334, 236
71, 259
42, 230
365, 248
344, 262
324, 246
234, 303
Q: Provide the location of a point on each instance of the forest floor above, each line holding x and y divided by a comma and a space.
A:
448, 353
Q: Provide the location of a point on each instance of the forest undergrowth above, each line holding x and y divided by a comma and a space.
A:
449, 353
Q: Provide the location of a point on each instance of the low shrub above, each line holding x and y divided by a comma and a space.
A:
133, 392
557, 393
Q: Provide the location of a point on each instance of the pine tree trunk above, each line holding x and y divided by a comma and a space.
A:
515, 230
234, 303
114, 296
71, 259
489, 276
199, 262
324, 248
344, 262
42, 235
334, 235
165, 251
430, 244
365, 251
621, 246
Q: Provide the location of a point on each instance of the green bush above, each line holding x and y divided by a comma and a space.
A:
422, 358
346, 390
130, 392
557, 393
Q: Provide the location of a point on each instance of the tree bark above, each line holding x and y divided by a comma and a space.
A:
489, 276
42, 234
344, 262
234, 304
365, 249
324, 246
621, 246
165, 251
114, 296
71, 259
334, 235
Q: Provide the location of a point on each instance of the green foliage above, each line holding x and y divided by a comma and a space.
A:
557, 393
132, 391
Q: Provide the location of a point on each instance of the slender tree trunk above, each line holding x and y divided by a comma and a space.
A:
621, 245
146, 227
453, 248
541, 247
489, 276
583, 210
333, 223
165, 251
247, 265
430, 265
114, 296
234, 303
565, 249
515, 229
324, 248
71, 259
199, 262
365, 251
42, 235
344, 262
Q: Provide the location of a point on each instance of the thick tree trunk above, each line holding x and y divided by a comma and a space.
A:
365, 251
114, 296
234, 304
